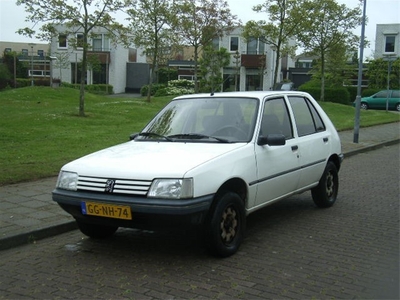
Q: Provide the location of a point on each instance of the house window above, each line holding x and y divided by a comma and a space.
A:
62, 41
252, 46
255, 46
101, 42
234, 44
7, 50
389, 43
40, 53
79, 40
24, 52
215, 43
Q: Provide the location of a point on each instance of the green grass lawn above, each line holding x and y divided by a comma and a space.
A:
40, 129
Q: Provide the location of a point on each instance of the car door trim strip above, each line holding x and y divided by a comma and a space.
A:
286, 172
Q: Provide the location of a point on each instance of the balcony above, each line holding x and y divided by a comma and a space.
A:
104, 56
252, 60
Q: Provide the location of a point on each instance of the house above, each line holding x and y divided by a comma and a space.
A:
251, 67
387, 41
112, 63
36, 56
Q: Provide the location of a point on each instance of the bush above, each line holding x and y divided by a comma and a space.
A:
154, 88
100, 89
369, 92
173, 91
335, 95
176, 88
182, 83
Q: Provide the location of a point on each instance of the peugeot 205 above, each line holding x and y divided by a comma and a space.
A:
207, 160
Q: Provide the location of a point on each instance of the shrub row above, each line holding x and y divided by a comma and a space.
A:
174, 88
335, 95
101, 89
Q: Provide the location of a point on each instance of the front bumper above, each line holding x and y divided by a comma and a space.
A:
147, 213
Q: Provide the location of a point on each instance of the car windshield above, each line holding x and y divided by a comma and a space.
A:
219, 119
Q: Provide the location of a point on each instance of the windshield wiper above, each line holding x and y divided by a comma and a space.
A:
149, 134
197, 136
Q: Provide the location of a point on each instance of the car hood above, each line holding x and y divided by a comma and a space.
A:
148, 160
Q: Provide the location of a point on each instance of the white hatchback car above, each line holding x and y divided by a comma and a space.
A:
207, 160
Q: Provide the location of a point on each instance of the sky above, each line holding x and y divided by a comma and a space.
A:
12, 17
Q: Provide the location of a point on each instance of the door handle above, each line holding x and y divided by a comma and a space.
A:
294, 148
325, 139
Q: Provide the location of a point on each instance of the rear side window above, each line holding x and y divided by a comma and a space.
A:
396, 94
308, 121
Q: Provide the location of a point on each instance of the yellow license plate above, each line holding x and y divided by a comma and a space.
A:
106, 210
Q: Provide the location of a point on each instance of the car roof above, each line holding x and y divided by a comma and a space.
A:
247, 94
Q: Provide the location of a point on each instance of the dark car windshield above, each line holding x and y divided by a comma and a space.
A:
219, 119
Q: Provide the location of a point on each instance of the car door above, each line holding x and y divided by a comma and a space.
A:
277, 166
313, 140
378, 101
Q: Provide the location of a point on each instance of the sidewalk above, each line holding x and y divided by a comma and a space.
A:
28, 213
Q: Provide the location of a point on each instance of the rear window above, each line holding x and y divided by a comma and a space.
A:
308, 121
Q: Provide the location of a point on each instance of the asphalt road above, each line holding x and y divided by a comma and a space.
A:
292, 250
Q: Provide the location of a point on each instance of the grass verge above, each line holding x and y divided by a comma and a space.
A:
40, 129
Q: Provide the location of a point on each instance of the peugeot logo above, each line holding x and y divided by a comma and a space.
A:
109, 186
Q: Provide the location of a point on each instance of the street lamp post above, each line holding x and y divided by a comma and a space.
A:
360, 66
32, 44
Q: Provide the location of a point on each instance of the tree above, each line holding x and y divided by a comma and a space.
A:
198, 22
283, 25
150, 26
325, 25
339, 67
75, 16
377, 73
211, 64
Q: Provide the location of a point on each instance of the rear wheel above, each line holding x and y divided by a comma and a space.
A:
398, 106
325, 193
226, 225
96, 231
364, 105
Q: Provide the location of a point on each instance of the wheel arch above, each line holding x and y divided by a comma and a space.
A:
235, 185
336, 160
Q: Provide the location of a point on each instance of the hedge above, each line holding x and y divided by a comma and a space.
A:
92, 88
335, 95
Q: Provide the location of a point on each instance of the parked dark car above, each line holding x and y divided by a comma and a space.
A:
378, 100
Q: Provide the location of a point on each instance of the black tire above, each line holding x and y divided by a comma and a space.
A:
325, 193
364, 105
226, 225
96, 231
398, 106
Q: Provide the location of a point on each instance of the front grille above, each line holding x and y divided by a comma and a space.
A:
115, 186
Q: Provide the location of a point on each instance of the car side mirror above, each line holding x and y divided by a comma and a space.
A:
272, 140
133, 136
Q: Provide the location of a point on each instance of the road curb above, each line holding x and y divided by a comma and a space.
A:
371, 147
34, 235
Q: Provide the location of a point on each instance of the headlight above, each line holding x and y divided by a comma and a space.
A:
67, 181
171, 188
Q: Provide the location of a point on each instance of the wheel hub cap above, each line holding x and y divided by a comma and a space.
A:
229, 225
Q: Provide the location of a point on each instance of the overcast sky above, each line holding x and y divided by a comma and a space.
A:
12, 17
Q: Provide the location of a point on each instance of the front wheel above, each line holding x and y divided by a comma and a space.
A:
364, 105
226, 225
398, 106
96, 231
325, 193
